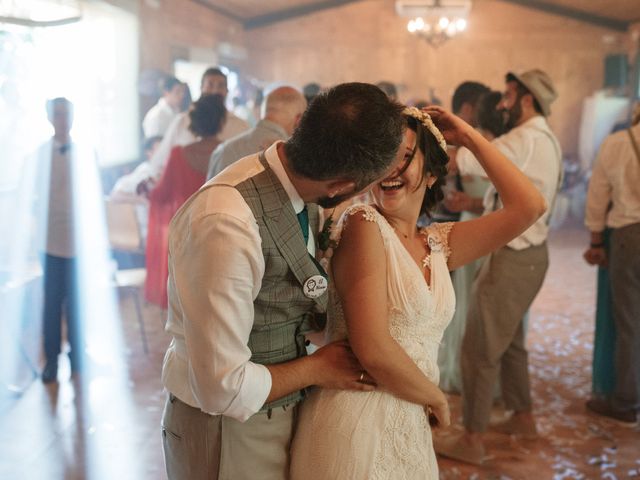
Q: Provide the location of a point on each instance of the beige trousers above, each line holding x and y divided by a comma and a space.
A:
493, 343
198, 446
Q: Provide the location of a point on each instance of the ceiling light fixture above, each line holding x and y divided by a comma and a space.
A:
435, 21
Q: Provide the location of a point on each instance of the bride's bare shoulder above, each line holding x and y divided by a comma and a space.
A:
360, 233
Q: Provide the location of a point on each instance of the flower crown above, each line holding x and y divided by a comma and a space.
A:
425, 119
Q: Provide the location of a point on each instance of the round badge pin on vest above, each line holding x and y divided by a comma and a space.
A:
314, 286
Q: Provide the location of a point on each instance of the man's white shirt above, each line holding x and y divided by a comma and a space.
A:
535, 150
615, 180
158, 118
216, 268
60, 234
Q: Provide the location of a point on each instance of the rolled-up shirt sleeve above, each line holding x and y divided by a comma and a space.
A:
598, 195
217, 272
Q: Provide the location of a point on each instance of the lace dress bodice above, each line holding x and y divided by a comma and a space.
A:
351, 435
418, 312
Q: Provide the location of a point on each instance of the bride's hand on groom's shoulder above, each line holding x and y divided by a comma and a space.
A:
337, 367
438, 413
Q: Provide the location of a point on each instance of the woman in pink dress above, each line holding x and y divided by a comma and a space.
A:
184, 173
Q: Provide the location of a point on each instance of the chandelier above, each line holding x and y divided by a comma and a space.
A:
435, 21
40, 13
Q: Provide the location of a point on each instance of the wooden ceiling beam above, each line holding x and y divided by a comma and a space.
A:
574, 14
293, 12
220, 10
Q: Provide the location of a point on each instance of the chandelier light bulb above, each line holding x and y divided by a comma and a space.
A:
438, 25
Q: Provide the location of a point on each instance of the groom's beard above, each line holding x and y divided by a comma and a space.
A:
359, 189
331, 202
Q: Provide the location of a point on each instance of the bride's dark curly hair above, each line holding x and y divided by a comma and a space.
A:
435, 164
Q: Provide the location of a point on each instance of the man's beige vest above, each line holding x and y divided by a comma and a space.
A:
282, 313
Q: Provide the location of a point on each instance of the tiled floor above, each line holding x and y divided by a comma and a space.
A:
108, 427
574, 444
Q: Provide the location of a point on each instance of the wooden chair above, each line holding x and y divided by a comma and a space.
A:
125, 235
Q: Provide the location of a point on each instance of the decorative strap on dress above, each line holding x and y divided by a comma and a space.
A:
438, 240
369, 213
441, 286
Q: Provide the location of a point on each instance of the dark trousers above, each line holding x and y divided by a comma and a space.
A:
60, 290
624, 267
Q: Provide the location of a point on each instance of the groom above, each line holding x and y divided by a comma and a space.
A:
244, 286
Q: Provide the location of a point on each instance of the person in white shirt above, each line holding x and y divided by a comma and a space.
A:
613, 201
511, 277
160, 116
53, 188
244, 285
214, 81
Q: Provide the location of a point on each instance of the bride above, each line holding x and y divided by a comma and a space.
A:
392, 297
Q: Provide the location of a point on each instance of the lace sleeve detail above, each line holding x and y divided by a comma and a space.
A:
438, 238
369, 213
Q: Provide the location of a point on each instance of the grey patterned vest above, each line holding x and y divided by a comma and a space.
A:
282, 313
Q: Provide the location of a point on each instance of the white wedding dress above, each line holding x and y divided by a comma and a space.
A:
355, 435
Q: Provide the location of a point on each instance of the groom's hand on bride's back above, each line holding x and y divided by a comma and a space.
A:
337, 367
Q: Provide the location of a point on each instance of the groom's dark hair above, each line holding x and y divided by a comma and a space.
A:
351, 132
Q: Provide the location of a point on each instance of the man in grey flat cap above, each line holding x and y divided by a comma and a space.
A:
511, 277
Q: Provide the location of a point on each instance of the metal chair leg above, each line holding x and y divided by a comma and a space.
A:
143, 334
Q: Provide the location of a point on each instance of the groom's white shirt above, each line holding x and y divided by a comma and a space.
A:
215, 273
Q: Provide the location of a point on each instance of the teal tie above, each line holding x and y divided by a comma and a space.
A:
303, 220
